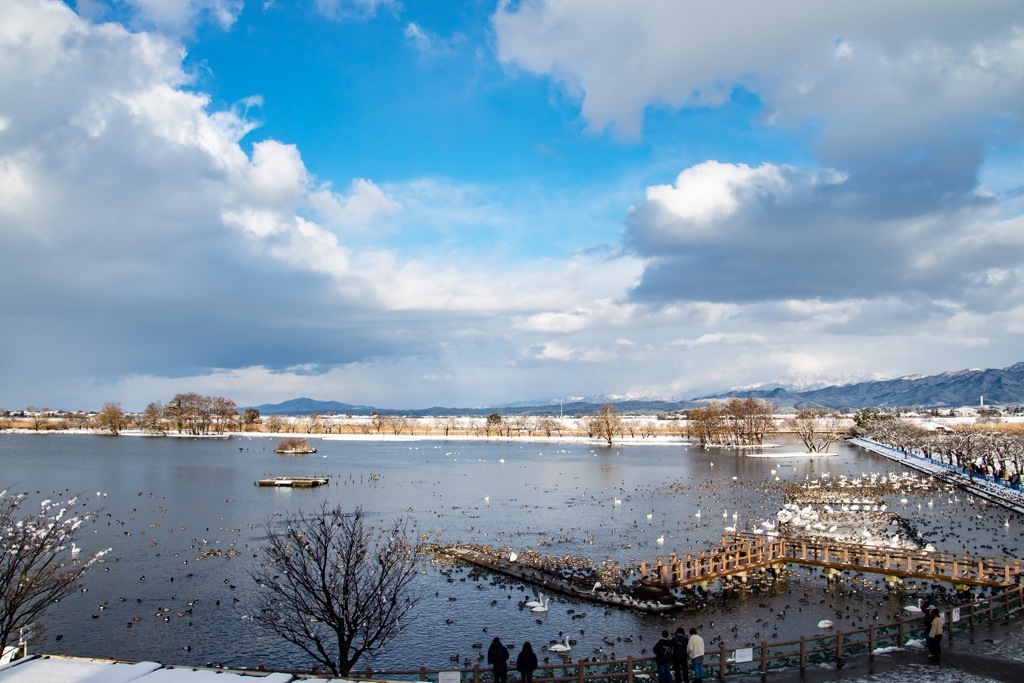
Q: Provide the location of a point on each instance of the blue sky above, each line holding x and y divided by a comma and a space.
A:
409, 204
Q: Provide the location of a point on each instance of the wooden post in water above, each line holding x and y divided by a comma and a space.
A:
721, 662
803, 652
423, 673
629, 669
764, 658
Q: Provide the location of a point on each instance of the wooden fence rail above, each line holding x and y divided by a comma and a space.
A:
722, 663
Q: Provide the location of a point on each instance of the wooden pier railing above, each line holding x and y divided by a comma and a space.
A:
743, 552
751, 659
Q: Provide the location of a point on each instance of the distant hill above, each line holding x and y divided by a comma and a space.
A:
305, 406
946, 390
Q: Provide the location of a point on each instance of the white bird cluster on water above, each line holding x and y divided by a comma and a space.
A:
851, 509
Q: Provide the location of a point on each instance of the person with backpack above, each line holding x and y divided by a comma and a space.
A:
663, 658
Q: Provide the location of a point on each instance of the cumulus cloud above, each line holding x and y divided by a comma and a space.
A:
891, 72
157, 220
188, 247
727, 232
901, 105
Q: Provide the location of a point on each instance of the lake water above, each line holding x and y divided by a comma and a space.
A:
186, 522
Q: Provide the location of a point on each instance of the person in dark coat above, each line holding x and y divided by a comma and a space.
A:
663, 658
680, 663
497, 657
526, 663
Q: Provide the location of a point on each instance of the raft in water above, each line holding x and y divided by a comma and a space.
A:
294, 482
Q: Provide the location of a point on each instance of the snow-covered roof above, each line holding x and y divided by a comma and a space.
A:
47, 669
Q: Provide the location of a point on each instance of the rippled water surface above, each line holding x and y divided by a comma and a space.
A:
186, 522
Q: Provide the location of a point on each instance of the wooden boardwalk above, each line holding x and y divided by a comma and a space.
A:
743, 552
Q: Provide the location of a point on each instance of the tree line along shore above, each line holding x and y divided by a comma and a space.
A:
734, 422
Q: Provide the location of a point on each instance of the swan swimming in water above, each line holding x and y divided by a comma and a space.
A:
543, 607
560, 647
536, 603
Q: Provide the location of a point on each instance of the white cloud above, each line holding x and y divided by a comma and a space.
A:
727, 232
354, 9
181, 16
871, 73
708, 191
428, 43
721, 339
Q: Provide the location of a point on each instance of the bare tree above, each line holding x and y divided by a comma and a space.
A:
273, 423
335, 588
38, 417
606, 424
817, 428
39, 564
548, 425
749, 420
152, 420
111, 419
707, 424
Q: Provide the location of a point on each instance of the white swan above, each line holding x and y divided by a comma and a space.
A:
536, 603
661, 539
560, 647
542, 608
824, 623
914, 609
512, 557
75, 550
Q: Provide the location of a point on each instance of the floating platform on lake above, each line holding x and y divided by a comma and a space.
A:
294, 482
552, 582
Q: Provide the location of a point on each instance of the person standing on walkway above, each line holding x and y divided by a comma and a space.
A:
935, 636
695, 651
497, 657
680, 662
526, 663
663, 658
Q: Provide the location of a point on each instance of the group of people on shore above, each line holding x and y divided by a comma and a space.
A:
672, 655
